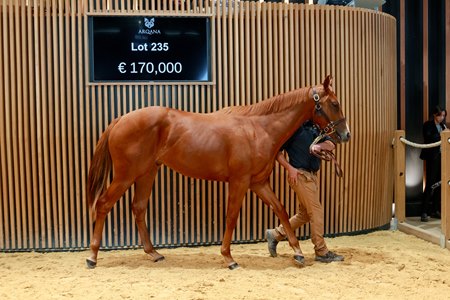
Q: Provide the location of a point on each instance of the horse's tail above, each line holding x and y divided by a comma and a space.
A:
99, 170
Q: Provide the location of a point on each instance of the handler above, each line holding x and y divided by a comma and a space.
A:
302, 170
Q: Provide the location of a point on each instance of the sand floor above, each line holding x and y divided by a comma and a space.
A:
379, 265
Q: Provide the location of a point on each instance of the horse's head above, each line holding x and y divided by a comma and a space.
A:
328, 113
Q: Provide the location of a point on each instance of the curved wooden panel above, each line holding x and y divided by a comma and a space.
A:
51, 118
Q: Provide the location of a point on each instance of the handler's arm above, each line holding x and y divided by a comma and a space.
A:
292, 172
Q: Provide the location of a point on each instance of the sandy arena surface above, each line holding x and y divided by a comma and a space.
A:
379, 265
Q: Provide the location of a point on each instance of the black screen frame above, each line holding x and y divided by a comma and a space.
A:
206, 58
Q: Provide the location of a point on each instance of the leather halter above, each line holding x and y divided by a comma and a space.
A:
326, 131
331, 126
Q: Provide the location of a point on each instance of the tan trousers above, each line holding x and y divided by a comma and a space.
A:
309, 210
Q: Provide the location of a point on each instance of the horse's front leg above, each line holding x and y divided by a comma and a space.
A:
266, 194
237, 190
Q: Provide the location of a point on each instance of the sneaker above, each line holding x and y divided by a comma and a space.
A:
329, 257
272, 242
424, 218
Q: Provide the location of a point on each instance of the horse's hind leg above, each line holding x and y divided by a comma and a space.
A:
143, 189
103, 207
237, 189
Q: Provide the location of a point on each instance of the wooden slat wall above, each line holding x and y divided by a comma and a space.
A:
51, 117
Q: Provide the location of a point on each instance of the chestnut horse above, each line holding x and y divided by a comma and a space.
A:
236, 144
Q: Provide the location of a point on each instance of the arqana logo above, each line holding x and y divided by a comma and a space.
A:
149, 23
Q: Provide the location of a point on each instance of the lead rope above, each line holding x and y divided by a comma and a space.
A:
326, 155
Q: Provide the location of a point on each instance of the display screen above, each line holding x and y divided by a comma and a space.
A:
146, 48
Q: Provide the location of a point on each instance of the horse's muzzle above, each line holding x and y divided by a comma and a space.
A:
344, 133
343, 136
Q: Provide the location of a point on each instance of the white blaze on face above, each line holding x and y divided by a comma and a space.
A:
346, 133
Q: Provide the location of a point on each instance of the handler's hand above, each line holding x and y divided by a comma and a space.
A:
316, 149
292, 176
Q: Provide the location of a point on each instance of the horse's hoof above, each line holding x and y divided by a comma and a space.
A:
90, 264
233, 266
299, 259
161, 258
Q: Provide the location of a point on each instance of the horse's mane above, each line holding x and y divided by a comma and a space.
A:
271, 105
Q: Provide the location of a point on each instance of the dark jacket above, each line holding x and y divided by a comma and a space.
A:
297, 148
431, 135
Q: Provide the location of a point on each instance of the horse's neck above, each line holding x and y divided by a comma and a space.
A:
280, 126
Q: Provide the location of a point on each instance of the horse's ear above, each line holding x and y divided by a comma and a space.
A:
328, 84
